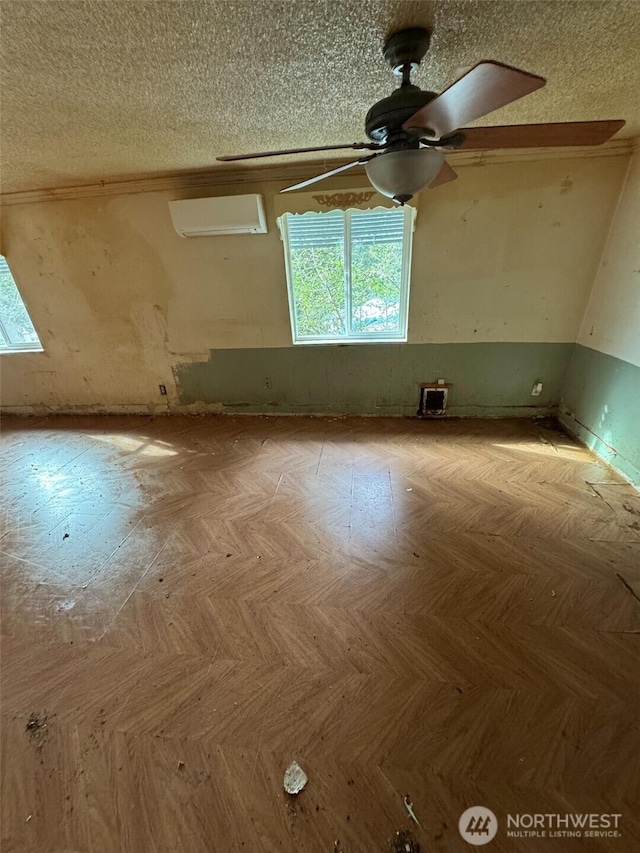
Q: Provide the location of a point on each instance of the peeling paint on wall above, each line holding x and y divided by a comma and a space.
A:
120, 300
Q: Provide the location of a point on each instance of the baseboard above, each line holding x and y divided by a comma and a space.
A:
92, 409
398, 411
607, 453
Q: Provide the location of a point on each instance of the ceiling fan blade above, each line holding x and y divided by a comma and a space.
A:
329, 174
540, 135
357, 145
445, 175
487, 87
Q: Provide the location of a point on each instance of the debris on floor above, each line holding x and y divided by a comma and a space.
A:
36, 727
403, 842
409, 807
625, 583
294, 778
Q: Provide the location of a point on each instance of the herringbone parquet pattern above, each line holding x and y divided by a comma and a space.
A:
448, 610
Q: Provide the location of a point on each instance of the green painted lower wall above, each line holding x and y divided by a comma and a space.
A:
601, 406
488, 379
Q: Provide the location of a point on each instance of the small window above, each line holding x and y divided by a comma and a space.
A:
16, 329
348, 274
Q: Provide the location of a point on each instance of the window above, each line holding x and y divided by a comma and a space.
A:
16, 329
348, 274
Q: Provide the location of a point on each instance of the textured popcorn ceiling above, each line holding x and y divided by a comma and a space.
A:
107, 89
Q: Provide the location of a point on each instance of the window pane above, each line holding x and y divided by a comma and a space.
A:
376, 270
13, 314
316, 251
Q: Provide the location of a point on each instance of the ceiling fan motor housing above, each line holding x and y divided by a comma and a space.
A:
387, 116
406, 47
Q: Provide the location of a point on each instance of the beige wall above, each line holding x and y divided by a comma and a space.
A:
612, 320
506, 253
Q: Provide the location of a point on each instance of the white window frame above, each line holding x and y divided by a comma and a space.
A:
405, 279
6, 345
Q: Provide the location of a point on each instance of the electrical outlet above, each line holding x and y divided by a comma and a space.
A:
163, 389
537, 389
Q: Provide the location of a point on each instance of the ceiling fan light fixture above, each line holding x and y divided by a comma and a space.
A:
401, 174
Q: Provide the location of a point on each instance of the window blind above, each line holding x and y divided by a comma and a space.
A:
327, 229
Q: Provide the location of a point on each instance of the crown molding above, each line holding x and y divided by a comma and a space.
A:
613, 148
290, 172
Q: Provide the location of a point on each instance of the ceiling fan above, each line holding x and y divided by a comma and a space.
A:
411, 128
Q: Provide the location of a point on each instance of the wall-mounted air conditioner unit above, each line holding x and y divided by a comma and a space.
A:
208, 217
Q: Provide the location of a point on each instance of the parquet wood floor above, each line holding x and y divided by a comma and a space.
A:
445, 610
